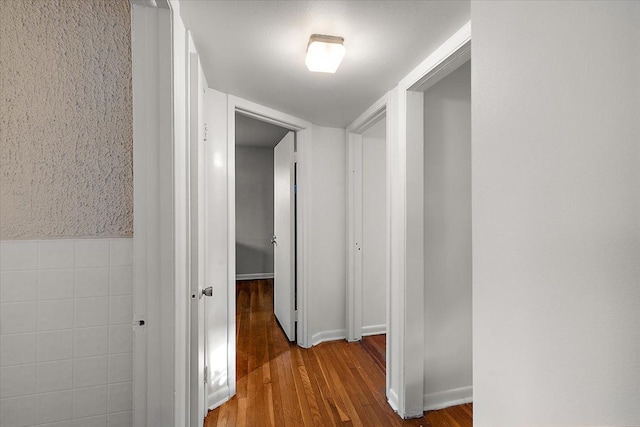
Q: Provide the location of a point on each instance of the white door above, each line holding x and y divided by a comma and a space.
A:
283, 240
198, 303
219, 315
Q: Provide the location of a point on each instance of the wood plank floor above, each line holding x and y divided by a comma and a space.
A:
332, 384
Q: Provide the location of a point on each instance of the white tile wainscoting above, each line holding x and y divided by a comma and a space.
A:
66, 335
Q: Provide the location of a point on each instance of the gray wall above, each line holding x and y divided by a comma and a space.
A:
65, 119
254, 210
556, 213
447, 229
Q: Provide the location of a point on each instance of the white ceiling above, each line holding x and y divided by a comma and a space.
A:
256, 49
255, 133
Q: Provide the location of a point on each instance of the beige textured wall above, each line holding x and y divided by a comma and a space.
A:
66, 137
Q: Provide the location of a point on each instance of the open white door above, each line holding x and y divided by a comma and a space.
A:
197, 85
220, 313
283, 239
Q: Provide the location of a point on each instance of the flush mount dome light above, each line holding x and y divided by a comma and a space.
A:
324, 53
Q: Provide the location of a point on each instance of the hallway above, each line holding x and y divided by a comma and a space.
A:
332, 384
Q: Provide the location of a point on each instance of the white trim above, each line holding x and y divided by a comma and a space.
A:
374, 330
303, 224
444, 399
303, 140
459, 44
266, 114
354, 236
254, 276
354, 213
163, 4
392, 399
231, 244
406, 323
181, 217
218, 397
153, 262
369, 117
354, 226
197, 387
332, 335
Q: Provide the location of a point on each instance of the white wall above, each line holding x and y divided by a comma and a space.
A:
66, 339
556, 213
327, 255
374, 229
254, 210
447, 239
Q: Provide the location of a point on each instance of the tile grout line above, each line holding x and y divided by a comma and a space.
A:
108, 358
35, 387
73, 335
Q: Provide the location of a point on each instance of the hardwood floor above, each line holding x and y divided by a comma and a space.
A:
332, 384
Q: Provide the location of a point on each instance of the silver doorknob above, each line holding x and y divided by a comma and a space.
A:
207, 292
273, 240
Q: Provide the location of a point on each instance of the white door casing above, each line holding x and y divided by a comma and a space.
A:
283, 240
406, 165
153, 292
355, 214
355, 234
303, 203
197, 85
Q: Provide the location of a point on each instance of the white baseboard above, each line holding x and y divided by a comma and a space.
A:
218, 397
444, 399
254, 276
374, 330
336, 334
392, 398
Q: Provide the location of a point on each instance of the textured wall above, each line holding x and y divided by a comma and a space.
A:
65, 119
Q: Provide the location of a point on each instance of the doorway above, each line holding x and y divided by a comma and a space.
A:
368, 227
255, 142
373, 242
265, 214
447, 240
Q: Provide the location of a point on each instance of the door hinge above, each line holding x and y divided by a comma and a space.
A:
206, 374
295, 315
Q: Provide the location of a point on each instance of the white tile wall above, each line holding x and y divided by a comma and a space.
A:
66, 340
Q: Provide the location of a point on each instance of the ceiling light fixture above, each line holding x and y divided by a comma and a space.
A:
324, 53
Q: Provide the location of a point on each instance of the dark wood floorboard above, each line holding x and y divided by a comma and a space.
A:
332, 384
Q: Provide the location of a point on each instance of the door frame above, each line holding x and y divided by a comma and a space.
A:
406, 391
154, 368
161, 242
197, 310
303, 139
355, 213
